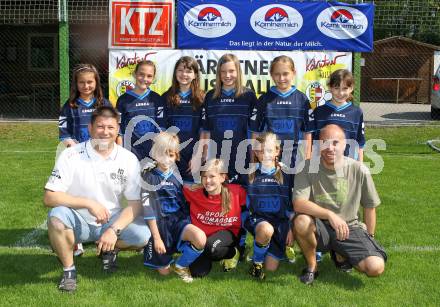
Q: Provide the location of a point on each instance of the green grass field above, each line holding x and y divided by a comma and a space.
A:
408, 227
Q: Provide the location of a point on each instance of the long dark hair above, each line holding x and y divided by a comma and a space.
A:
173, 98
74, 92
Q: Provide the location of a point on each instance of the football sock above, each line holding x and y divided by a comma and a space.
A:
189, 254
259, 252
70, 268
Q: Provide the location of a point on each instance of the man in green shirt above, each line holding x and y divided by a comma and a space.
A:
326, 200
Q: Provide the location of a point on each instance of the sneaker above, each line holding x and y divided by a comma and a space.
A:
78, 250
344, 266
257, 271
308, 277
230, 264
183, 273
109, 264
290, 254
68, 282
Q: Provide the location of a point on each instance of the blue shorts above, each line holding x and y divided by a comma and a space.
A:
170, 229
135, 234
277, 245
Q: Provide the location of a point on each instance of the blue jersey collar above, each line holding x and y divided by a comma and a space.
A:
87, 104
338, 108
230, 92
165, 175
274, 89
132, 93
266, 171
184, 95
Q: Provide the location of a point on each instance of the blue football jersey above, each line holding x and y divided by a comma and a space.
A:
150, 104
73, 122
166, 199
284, 114
268, 199
348, 116
229, 113
189, 122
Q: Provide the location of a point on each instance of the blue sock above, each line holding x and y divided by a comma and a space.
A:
259, 252
243, 239
189, 254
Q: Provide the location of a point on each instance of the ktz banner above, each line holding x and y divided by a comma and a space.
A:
312, 69
141, 23
274, 25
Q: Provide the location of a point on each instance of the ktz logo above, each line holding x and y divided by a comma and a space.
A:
123, 87
119, 177
276, 21
209, 20
342, 22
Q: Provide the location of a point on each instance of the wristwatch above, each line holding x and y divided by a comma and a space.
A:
116, 230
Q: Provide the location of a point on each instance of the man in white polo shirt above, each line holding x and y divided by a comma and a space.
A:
85, 192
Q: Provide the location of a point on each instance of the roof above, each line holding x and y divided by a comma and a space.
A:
405, 39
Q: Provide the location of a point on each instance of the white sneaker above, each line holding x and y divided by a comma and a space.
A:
78, 250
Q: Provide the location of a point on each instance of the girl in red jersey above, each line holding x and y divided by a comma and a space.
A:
215, 208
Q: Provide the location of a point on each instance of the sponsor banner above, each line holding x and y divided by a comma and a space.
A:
141, 23
274, 25
312, 69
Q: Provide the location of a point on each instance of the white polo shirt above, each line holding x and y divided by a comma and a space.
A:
80, 171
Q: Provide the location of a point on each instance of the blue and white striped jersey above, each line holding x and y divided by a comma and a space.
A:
167, 199
348, 116
229, 113
73, 122
130, 105
189, 122
268, 199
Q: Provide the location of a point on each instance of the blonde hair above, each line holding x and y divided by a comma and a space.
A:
239, 89
165, 142
218, 166
263, 139
282, 59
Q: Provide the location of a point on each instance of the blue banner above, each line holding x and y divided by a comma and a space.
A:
274, 25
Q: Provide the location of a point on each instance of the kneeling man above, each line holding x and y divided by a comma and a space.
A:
85, 191
326, 200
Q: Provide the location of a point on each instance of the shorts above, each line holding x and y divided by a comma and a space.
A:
170, 229
277, 245
357, 247
135, 234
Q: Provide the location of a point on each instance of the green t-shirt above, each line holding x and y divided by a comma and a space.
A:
341, 191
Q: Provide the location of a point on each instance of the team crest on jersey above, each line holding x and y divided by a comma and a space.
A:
119, 177
124, 86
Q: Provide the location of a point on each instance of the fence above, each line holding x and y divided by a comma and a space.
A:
394, 78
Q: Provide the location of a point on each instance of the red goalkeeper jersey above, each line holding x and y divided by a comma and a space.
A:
206, 210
